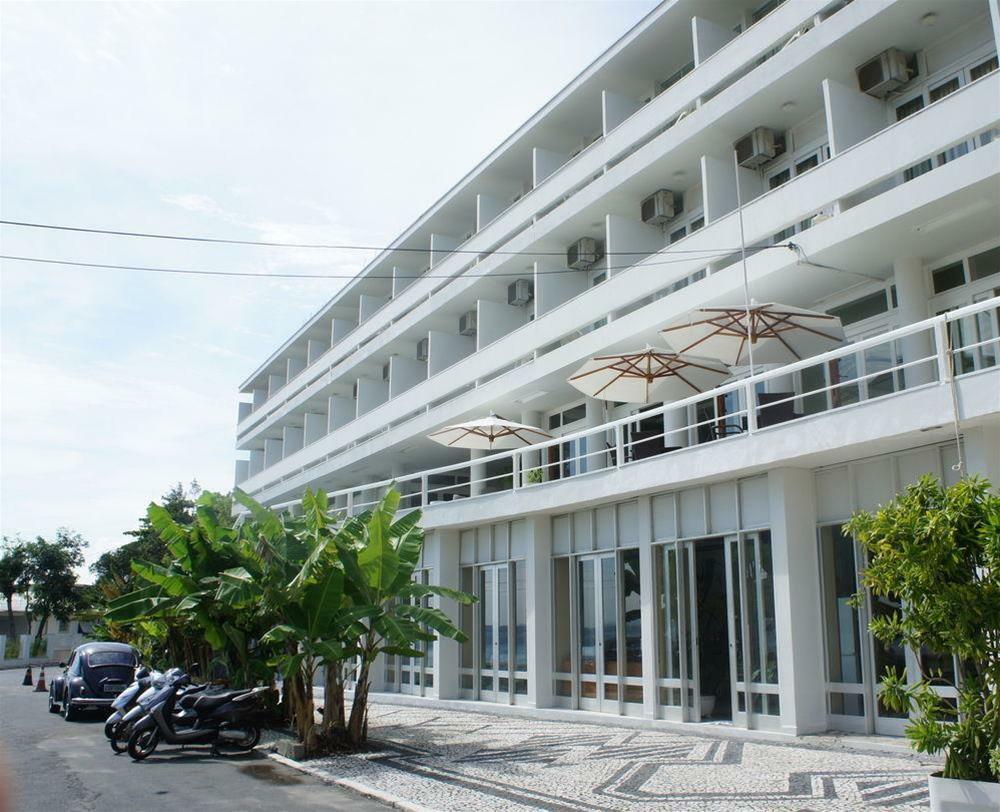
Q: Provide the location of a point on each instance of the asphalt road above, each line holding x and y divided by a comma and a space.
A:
50, 764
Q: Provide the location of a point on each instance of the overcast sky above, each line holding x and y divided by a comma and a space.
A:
331, 122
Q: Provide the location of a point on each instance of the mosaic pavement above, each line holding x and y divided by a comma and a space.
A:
450, 760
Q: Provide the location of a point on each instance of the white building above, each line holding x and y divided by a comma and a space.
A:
628, 582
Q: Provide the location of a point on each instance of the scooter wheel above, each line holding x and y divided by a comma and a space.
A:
119, 740
142, 743
110, 727
249, 741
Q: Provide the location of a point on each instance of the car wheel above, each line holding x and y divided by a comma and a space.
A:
70, 713
142, 743
53, 705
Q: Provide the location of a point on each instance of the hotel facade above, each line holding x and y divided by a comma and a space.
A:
680, 561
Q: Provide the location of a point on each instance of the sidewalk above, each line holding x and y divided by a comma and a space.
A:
436, 758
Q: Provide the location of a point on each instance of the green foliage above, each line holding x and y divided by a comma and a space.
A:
286, 592
533, 476
15, 576
937, 551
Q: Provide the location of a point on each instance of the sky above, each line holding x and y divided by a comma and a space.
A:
295, 122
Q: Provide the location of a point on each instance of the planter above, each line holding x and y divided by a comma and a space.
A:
956, 795
707, 705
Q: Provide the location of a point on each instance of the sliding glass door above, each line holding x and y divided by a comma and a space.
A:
598, 633
678, 677
494, 633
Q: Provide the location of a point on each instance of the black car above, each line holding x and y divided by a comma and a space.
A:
95, 675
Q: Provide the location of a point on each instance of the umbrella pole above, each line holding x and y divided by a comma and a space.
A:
743, 257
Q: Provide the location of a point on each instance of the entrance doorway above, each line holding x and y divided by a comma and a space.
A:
713, 631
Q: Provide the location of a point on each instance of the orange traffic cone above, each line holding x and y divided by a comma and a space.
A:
40, 685
27, 677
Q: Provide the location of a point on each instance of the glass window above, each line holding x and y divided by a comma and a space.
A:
952, 153
948, 277
887, 656
555, 420
98, 658
468, 582
944, 89
573, 414
670, 647
779, 179
678, 234
807, 164
909, 108
984, 264
632, 612
563, 659
520, 619
917, 170
983, 68
860, 309
697, 223
840, 582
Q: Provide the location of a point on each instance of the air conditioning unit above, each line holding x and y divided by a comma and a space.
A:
884, 73
660, 207
519, 292
758, 147
385, 371
422, 348
584, 253
467, 323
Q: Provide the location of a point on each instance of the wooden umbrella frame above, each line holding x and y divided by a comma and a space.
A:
630, 365
764, 323
487, 433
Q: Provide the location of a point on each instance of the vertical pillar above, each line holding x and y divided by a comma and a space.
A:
242, 471
272, 451
477, 472
911, 294
795, 564
594, 417
995, 19
259, 396
442, 555
674, 419
291, 440
538, 611
256, 461
314, 427
982, 452
274, 383
649, 607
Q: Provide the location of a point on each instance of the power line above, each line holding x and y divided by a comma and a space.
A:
332, 246
278, 275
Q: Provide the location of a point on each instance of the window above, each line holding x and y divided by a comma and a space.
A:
780, 178
96, 658
807, 164
861, 309
909, 108
948, 277
983, 68
984, 264
944, 89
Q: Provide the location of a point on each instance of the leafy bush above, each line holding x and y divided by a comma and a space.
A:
936, 550
533, 476
12, 649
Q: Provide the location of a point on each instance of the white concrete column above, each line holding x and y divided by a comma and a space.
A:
291, 440
274, 383
795, 564
911, 294
675, 419
596, 442
242, 471
538, 611
477, 473
256, 460
441, 552
314, 427
982, 452
245, 410
649, 607
259, 396
272, 451
995, 20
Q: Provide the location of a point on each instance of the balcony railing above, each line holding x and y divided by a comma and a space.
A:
957, 344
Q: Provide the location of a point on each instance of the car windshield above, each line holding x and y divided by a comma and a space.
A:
96, 658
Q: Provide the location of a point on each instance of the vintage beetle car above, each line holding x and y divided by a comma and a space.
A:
95, 675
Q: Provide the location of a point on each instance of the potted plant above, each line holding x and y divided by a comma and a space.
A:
937, 551
533, 476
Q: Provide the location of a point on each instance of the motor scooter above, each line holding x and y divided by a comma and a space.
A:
119, 727
228, 719
144, 678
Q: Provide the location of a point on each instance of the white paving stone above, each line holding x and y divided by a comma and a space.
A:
452, 760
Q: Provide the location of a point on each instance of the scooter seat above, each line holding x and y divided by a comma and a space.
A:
208, 702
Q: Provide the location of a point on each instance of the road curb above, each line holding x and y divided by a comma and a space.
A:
347, 783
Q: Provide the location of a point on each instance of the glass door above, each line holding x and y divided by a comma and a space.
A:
494, 664
412, 675
598, 618
678, 677
752, 632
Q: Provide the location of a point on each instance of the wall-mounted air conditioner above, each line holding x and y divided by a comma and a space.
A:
661, 207
584, 253
422, 347
758, 147
467, 323
884, 73
519, 292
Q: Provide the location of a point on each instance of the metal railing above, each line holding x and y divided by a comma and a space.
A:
930, 352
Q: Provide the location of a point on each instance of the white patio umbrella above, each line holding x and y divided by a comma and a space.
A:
780, 334
489, 433
647, 375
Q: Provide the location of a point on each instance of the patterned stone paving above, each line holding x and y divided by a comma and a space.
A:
451, 760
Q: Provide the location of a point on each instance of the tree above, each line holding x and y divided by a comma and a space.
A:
14, 577
52, 571
936, 550
115, 566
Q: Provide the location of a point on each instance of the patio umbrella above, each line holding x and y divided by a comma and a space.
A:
780, 334
489, 433
647, 375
